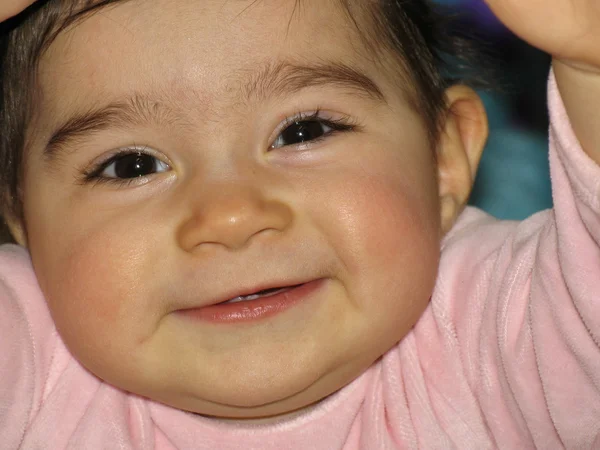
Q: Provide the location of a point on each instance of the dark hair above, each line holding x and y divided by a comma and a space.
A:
411, 32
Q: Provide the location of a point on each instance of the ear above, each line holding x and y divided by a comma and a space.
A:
16, 228
463, 137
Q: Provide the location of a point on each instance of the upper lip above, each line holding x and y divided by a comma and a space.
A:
250, 291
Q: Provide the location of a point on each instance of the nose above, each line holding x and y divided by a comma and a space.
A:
231, 217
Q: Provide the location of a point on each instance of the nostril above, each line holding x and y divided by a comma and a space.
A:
232, 217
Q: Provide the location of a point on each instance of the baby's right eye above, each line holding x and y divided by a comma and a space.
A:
127, 165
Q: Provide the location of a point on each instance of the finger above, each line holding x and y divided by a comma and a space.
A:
10, 8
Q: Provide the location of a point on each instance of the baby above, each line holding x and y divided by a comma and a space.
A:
242, 225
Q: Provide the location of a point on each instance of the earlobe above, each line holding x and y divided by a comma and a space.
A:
463, 137
16, 229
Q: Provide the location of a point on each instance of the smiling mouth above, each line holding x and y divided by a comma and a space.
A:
260, 294
256, 306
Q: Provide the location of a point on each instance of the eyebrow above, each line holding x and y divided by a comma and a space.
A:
271, 80
285, 78
138, 109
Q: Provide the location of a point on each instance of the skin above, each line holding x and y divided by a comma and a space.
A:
10, 8
362, 210
569, 31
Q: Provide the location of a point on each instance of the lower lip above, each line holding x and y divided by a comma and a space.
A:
254, 310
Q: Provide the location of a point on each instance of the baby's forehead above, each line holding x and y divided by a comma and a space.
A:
354, 20
262, 51
311, 40
66, 13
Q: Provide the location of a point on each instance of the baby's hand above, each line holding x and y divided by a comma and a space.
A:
570, 31
9, 8
567, 29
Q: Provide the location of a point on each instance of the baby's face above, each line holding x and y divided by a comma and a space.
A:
271, 153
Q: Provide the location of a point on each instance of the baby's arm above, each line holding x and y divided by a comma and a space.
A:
539, 342
580, 90
27, 339
570, 31
516, 310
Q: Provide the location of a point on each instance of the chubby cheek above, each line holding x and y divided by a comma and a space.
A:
92, 277
386, 230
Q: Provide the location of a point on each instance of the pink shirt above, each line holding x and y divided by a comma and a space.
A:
506, 356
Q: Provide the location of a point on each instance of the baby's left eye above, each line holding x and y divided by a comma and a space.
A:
311, 128
300, 132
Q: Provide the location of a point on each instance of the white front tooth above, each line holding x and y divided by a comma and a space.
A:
244, 298
255, 296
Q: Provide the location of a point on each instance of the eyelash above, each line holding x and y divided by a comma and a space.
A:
337, 125
94, 176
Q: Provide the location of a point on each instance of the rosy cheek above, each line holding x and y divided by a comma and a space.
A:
386, 229
88, 287
81, 310
386, 222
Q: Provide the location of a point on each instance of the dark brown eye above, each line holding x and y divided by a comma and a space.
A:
300, 132
133, 165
